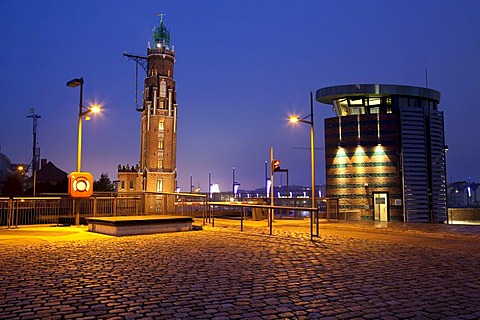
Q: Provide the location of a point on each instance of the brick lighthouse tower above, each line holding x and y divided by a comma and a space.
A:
156, 171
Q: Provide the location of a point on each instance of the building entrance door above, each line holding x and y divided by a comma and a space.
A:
380, 206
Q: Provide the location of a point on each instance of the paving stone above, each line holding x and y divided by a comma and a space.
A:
214, 274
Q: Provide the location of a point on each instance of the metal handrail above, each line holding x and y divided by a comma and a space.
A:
313, 214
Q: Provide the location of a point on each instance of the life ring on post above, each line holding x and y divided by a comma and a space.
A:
80, 184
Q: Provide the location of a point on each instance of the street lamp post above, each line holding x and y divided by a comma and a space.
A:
266, 181
72, 84
295, 119
191, 184
209, 197
81, 112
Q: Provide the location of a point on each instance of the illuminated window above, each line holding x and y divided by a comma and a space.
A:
161, 125
356, 101
163, 89
341, 107
159, 185
160, 163
357, 110
169, 72
160, 144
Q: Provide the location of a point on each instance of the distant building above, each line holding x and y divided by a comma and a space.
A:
385, 152
157, 169
49, 179
5, 170
463, 194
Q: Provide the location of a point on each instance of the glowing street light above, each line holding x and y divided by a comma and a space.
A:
93, 109
294, 119
82, 111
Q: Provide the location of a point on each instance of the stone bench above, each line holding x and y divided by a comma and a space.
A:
136, 225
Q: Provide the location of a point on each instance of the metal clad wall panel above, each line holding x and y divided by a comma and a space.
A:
414, 164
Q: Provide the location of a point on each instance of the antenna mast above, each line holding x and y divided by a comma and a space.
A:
35, 154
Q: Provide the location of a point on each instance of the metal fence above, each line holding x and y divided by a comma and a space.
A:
327, 208
62, 209
260, 212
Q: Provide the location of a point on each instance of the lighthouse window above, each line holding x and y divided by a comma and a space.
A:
161, 126
163, 89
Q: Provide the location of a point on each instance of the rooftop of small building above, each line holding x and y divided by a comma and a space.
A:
328, 94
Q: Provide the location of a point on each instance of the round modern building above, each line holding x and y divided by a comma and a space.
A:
385, 152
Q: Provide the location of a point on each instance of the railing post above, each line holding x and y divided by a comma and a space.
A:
94, 206
137, 205
204, 210
115, 206
212, 213
270, 219
15, 214
10, 213
57, 211
241, 218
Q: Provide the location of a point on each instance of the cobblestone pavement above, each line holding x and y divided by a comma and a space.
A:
219, 273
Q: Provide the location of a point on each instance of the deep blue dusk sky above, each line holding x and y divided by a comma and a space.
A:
242, 67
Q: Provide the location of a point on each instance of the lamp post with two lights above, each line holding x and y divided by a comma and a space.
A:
81, 184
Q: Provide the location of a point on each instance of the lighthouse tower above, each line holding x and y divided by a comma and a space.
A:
156, 170
158, 144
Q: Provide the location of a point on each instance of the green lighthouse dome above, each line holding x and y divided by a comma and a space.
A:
161, 35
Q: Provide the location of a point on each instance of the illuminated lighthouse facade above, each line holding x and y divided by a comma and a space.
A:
156, 171
158, 143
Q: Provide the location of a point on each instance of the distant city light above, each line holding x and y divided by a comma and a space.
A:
215, 188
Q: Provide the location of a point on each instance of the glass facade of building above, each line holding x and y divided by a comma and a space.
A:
384, 151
